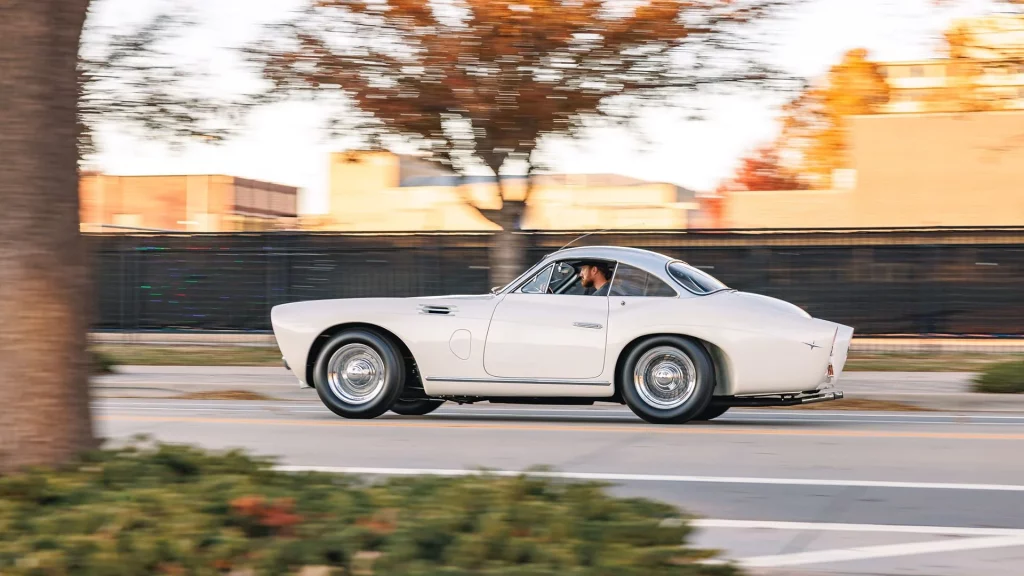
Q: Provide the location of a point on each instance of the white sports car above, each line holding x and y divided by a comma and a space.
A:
666, 339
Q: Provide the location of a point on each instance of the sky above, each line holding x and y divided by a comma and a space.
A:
288, 144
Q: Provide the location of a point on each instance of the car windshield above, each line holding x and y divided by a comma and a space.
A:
695, 280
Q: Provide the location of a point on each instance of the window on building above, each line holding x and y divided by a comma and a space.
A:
917, 71
631, 281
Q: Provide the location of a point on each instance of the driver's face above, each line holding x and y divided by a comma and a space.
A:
587, 276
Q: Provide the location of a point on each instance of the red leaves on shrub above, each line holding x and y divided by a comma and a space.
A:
277, 515
383, 522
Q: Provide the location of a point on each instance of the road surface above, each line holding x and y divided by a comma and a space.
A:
856, 493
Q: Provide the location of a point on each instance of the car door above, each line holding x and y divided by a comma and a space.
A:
539, 335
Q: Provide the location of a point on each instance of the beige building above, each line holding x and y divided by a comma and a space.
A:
908, 170
381, 191
987, 75
207, 203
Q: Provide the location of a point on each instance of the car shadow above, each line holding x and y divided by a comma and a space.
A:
624, 420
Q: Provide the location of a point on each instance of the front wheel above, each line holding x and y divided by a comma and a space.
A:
667, 380
359, 374
418, 407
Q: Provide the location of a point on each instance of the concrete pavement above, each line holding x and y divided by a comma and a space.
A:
931, 390
782, 492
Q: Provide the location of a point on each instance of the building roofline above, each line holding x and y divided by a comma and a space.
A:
216, 175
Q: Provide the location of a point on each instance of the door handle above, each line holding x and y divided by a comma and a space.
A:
587, 325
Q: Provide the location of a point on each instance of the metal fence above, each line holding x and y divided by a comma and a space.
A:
883, 282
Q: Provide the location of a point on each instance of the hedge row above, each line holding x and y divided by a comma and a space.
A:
162, 509
1001, 378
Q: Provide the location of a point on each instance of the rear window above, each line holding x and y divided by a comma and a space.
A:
694, 280
630, 281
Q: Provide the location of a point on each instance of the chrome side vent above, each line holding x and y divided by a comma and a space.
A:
437, 310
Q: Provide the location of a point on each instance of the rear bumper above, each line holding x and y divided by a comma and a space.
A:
781, 400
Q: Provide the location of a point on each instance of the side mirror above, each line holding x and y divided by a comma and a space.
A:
496, 289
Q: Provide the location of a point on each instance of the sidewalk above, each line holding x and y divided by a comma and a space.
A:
947, 391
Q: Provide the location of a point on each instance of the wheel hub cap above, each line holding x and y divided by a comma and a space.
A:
359, 372
356, 374
665, 378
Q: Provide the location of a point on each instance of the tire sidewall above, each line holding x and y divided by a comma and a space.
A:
417, 407
394, 367
711, 412
689, 410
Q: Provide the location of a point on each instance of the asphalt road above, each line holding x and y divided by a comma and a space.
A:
799, 492
271, 379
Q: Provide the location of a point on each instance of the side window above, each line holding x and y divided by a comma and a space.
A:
631, 281
539, 283
694, 280
563, 273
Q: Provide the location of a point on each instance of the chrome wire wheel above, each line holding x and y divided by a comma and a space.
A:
356, 374
665, 377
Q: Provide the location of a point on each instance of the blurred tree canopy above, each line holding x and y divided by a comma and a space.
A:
762, 170
973, 56
478, 81
129, 78
814, 128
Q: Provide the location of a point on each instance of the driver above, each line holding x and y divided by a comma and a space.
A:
594, 276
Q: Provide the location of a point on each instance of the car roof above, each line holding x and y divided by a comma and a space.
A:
644, 259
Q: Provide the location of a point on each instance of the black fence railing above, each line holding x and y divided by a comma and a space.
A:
963, 281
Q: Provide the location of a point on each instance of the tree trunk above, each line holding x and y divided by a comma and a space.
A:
508, 246
44, 288
507, 255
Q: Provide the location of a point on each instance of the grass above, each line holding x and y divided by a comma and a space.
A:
142, 355
225, 395
945, 362
857, 404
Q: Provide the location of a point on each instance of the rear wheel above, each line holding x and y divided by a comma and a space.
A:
667, 380
417, 407
711, 412
359, 374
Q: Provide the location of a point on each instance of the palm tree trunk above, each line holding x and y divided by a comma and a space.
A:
44, 288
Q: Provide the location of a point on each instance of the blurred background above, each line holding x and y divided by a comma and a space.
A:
861, 160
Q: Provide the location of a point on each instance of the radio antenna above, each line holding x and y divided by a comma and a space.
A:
581, 238
589, 234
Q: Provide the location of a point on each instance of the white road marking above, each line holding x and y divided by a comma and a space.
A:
839, 527
883, 551
611, 477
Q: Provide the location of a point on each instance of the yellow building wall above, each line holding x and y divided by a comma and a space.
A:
187, 203
939, 169
909, 170
789, 209
365, 196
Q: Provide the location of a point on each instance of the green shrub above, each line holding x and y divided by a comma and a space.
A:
100, 363
1002, 378
176, 510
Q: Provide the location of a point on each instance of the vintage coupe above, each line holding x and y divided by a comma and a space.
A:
666, 339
